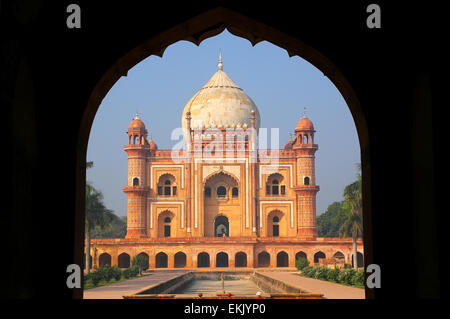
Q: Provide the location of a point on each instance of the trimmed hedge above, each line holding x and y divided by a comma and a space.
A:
301, 263
345, 276
107, 273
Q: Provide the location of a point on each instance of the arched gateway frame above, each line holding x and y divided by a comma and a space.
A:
196, 29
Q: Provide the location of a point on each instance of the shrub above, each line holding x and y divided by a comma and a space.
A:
87, 277
96, 277
346, 276
134, 271
127, 273
321, 273
116, 273
107, 272
333, 275
301, 263
358, 279
307, 271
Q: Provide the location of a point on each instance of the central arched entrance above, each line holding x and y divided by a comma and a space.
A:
218, 198
221, 227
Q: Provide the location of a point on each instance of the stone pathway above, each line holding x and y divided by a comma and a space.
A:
129, 287
330, 290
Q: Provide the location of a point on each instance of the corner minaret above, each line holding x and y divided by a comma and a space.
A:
306, 189
137, 188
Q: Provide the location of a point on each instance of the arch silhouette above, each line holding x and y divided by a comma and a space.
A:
195, 30
179, 260
203, 260
282, 259
263, 259
123, 261
161, 260
104, 259
240, 259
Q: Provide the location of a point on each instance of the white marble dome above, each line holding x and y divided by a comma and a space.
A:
220, 103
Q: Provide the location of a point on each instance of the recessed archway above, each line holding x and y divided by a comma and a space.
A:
240, 260
282, 259
222, 259
123, 261
221, 226
179, 260
161, 260
203, 260
318, 255
263, 259
104, 259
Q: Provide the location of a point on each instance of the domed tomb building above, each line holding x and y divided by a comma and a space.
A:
221, 202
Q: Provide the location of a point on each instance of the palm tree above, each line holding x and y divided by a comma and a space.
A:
353, 224
96, 215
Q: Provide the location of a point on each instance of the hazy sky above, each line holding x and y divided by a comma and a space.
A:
159, 88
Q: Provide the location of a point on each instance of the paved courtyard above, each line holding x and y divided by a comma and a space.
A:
129, 287
330, 290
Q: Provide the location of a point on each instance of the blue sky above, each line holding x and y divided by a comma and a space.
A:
281, 87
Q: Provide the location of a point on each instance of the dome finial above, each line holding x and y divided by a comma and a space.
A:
136, 117
220, 65
304, 111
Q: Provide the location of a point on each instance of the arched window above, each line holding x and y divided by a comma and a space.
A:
276, 226
167, 227
306, 180
207, 191
275, 187
135, 181
235, 192
305, 141
221, 191
167, 188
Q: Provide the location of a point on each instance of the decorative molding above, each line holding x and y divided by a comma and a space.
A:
291, 203
262, 170
167, 203
167, 166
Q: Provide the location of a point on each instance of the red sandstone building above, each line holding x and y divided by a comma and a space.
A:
220, 201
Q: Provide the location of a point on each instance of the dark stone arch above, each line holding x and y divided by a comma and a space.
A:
282, 259
318, 255
263, 259
179, 260
123, 261
339, 257
300, 254
360, 259
222, 259
161, 260
203, 260
104, 259
240, 259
